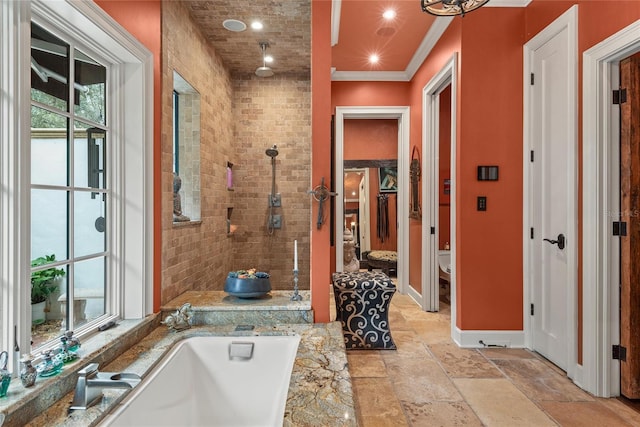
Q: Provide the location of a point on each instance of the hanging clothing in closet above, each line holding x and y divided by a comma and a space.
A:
383, 217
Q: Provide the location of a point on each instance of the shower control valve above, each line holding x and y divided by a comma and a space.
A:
275, 200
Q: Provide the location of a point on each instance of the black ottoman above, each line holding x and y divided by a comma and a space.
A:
362, 306
387, 261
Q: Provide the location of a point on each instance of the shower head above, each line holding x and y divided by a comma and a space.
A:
264, 71
272, 152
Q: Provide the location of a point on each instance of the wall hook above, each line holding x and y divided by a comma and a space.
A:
321, 193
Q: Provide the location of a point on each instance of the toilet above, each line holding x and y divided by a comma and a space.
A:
444, 264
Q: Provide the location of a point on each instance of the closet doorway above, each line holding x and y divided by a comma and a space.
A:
400, 195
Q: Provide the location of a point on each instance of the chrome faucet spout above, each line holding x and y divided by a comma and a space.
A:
114, 380
91, 382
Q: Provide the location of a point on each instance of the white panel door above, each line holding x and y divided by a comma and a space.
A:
550, 195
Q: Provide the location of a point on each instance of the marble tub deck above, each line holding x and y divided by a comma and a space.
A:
320, 390
219, 308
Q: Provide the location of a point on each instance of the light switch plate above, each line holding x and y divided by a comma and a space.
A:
482, 203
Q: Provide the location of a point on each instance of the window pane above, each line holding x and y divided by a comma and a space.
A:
49, 151
89, 290
49, 225
89, 156
89, 88
49, 69
50, 326
89, 223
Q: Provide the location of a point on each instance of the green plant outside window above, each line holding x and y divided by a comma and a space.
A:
42, 280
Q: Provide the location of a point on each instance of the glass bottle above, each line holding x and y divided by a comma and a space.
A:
28, 373
68, 356
5, 375
50, 366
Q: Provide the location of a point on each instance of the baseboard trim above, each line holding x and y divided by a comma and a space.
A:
475, 339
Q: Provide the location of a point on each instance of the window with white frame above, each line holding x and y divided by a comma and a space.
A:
69, 189
75, 170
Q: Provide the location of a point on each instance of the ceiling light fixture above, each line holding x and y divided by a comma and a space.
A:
374, 58
389, 14
257, 25
451, 7
264, 71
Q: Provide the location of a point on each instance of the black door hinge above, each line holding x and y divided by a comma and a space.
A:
532, 155
532, 79
433, 230
619, 228
620, 96
531, 232
532, 309
619, 353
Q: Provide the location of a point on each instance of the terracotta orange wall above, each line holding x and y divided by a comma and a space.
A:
370, 139
348, 94
142, 20
321, 110
489, 265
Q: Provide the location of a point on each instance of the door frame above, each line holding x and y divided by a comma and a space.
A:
430, 298
601, 191
567, 21
402, 115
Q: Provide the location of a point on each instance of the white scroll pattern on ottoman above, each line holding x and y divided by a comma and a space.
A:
362, 306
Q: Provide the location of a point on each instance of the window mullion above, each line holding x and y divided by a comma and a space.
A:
70, 315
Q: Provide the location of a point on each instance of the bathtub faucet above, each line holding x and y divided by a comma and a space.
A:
91, 382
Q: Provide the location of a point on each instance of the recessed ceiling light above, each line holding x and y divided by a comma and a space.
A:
257, 25
373, 59
389, 14
234, 25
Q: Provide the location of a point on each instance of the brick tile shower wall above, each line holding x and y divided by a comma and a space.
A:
196, 256
267, 111
240, 118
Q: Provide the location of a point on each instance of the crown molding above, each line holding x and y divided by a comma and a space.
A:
336, 7
440, 24
372, 76
507, 3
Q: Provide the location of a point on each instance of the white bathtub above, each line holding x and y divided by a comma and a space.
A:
198, 384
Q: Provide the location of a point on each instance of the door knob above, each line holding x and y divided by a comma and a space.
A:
560, 241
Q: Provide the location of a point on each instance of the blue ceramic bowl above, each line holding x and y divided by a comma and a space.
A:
247, 288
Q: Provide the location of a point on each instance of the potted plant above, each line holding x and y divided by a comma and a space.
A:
43, 285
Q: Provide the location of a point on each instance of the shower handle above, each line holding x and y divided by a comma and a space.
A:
559, 241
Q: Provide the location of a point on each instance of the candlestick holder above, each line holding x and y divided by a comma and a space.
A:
296, 296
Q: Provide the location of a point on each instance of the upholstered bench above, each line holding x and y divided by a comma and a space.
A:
384, 260
362, 307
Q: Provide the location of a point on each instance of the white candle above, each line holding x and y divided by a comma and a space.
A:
295, 255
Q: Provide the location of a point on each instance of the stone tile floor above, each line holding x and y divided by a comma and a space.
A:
430, 381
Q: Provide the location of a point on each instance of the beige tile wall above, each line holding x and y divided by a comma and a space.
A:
268, 111
196, 256
240, 118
